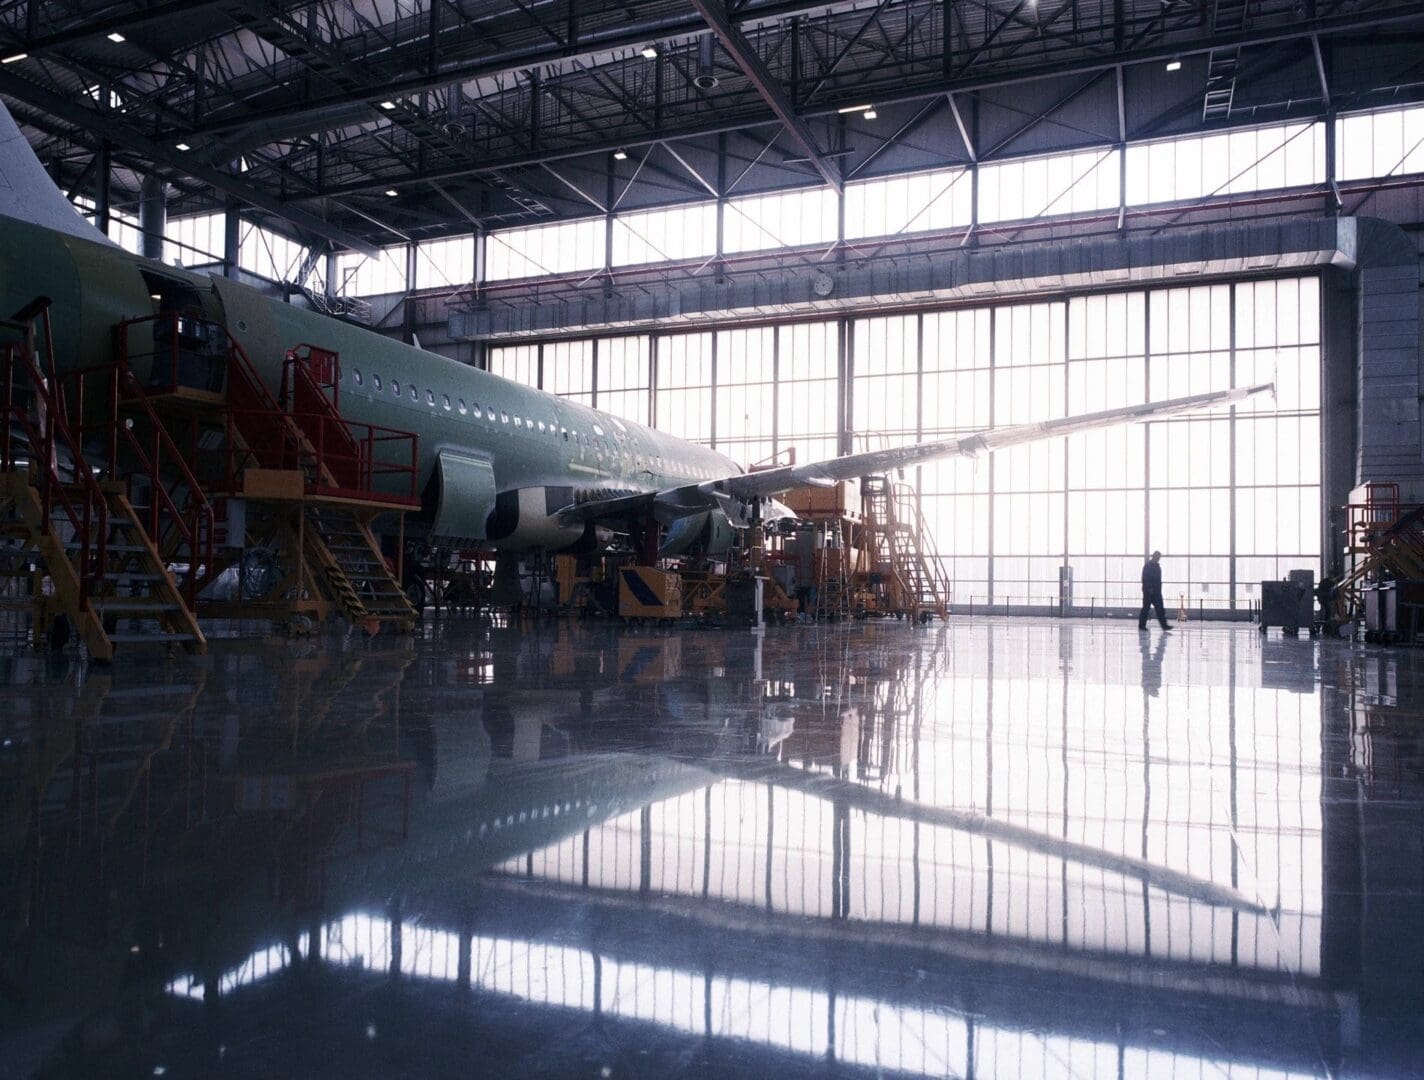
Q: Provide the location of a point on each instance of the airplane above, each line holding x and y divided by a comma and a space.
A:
500, 464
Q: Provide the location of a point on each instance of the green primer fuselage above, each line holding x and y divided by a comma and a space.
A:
93, 287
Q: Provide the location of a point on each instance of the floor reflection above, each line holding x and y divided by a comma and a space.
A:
992, 849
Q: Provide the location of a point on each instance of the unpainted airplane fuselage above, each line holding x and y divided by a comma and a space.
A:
532, 440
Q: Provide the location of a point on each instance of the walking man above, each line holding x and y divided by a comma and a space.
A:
1152, 592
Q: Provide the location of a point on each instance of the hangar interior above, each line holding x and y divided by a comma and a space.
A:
381, 793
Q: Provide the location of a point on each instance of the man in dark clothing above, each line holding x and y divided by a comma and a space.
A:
1152, 592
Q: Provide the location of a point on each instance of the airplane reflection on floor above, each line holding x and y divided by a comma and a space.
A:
1215, 782
989, 848
849, 1029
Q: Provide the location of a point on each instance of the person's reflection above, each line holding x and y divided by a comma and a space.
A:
1152, 664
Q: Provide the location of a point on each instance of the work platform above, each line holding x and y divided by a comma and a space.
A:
172, 484
852, 552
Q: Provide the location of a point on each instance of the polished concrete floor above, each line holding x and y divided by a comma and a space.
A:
993, 848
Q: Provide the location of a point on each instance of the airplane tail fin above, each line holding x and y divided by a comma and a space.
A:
28, 194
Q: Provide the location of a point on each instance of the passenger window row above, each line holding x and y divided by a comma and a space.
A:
599, 441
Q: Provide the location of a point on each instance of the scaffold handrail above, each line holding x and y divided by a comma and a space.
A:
159, 462
311, 381
304, 431
44, 425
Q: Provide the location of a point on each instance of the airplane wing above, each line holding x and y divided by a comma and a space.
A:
673, 503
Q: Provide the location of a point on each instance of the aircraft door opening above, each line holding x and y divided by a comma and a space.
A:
460, 496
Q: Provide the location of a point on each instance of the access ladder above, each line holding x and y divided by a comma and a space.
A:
327, 477
904, 546
101, 567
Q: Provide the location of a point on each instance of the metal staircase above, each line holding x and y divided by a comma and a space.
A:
1386, 540
903, 544
103, 569
334, 476
339, 536
354, 569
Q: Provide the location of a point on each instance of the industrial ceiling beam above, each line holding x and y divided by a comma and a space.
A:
923, 113
120, 134
91, 26
586, 47
1044, 114
963, 129
1396, 15
754, 68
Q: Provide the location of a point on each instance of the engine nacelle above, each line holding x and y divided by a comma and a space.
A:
527, 518
711, 534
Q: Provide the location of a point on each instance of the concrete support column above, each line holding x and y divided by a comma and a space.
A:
102, 174
232, 241
1391, 446
153, 216
1339, 410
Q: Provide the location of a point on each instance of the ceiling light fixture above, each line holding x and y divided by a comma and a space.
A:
1174, 65
620, 155
117, 38
14, 58
388, 105
392, 192
649, 52
855, 108
183, 146
870, 114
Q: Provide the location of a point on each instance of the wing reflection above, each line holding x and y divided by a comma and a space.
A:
903, 858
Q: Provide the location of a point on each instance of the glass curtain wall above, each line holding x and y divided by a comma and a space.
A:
1231, 499
623, 374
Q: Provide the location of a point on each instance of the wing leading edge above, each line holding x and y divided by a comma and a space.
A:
673, 503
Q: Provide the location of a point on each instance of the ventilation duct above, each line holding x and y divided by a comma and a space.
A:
706, 71
455, 126
153, 215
